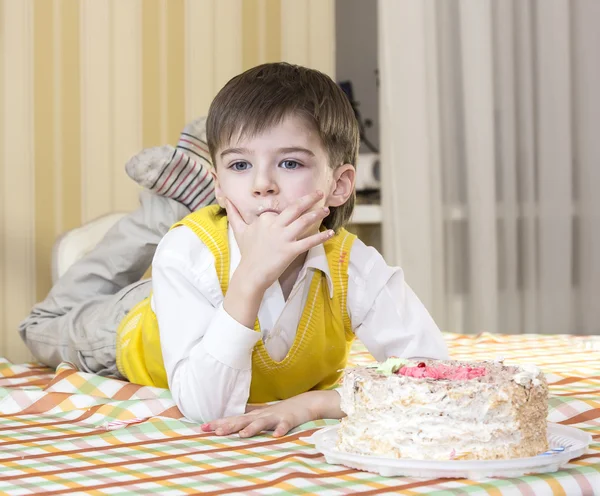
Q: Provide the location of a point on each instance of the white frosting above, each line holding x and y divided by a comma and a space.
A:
527, 375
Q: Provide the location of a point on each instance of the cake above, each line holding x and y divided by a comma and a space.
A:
444, 410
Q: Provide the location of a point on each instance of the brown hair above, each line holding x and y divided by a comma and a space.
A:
263, 96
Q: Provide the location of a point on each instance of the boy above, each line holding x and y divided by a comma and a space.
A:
258, 299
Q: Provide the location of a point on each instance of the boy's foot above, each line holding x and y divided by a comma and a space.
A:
181, 173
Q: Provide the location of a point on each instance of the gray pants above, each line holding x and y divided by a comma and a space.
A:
78, 320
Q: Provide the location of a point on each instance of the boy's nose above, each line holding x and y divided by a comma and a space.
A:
264, 185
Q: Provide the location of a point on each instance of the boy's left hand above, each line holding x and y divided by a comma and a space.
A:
280, 417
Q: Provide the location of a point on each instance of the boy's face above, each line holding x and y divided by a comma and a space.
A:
269, 171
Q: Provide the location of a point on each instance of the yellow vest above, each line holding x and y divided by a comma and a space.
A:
323, 337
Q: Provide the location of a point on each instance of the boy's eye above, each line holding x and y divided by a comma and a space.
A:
240, 166
290, 164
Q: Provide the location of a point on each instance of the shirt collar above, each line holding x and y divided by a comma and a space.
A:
316, 259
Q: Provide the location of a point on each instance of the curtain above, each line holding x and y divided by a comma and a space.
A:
490, 150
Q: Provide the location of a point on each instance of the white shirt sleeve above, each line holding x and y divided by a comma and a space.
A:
207, 354
386, 314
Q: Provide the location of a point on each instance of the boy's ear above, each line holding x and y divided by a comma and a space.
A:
344, 178
218, 193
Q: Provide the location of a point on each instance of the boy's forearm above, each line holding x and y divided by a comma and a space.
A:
331, 405
323, 404
243, 299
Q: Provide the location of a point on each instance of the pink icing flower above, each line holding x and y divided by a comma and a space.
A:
455, 373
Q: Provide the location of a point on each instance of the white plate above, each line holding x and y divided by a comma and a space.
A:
574, 441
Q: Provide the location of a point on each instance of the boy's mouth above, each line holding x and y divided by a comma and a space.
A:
263, 210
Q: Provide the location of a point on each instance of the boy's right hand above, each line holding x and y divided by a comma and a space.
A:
280, 417
272, 242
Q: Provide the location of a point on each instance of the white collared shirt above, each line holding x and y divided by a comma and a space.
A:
208, 355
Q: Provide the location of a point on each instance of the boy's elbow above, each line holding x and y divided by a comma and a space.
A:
192, 415
197, 409
203, 394
202, 404
201, 415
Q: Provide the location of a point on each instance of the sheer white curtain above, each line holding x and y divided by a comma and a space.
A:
490, 146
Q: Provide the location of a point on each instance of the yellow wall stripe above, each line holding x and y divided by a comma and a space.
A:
199, 61
175, 69
126, 100
56, 130
96, 109
250, 34
320, 40
17, 192
43, 122
70, 114
294, 38
228, 42
150, 73
273, 38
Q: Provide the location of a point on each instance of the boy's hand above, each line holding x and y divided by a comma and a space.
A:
272, 242
280, 417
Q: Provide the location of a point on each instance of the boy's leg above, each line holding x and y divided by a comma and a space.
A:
86, 335
181, 182
119, 259
182, 173
108, 275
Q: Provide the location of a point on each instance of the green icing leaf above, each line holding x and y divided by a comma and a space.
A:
391, 365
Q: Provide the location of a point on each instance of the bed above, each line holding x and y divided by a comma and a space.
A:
65, 432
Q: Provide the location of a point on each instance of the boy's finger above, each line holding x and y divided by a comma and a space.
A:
222, 424
299, 227
257, 426
232, 425
282, 428
296, 209
303, 245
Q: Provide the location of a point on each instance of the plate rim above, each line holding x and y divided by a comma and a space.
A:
466, 465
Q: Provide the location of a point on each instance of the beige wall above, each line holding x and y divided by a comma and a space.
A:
85, 84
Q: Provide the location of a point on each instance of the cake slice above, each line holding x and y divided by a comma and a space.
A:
444, 410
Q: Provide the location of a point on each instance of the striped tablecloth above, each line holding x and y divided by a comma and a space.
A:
66, 432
